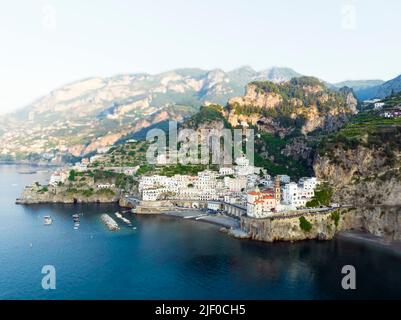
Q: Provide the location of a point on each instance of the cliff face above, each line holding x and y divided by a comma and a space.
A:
384, 222
37, 194
257, 98
362, 161
304, 102
271, 230
360, 177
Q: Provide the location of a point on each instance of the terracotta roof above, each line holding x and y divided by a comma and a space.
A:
253, 193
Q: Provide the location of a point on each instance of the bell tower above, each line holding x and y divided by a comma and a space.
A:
277, 189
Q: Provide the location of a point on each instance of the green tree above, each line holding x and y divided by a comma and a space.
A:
304, 224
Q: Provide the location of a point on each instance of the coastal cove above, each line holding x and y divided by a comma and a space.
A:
170, 258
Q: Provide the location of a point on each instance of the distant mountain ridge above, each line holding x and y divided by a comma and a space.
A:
82, 116
359, 84
380, 91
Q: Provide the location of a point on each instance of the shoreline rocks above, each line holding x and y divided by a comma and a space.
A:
38, 194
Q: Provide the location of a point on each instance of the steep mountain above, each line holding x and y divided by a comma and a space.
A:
362, 161
300, 105
380, 91
290, 118
278, 74
83, 116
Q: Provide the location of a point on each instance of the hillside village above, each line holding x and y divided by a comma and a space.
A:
308, 145
243, 185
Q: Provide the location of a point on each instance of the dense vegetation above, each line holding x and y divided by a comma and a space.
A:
207, 114
322, 197
367, 129
295, 93
192, 170
335, 216
276, 162
393, 100
130, 154
304, 224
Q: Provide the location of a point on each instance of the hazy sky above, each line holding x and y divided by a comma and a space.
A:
45, 44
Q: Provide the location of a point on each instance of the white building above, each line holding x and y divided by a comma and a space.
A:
284, 178
80, 167
297, 195
235, 184
206, 180
59, 176
252, 181
378, 105
243, 167
213, 205
105, 185
268, 183
308, 185
201, 187
131, 171
152, 194
225, 171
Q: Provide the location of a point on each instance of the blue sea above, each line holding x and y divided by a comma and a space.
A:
170, 258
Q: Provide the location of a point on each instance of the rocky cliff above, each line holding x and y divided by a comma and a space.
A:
384, 222
302, 103
362, 161
38, 194
288, 229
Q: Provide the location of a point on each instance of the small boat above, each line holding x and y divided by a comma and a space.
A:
47, 220
27, 172
76, 225
75, 217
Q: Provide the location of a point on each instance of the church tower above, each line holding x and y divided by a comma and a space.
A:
277, 190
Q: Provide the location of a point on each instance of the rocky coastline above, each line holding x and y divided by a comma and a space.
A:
382, 222
37, 194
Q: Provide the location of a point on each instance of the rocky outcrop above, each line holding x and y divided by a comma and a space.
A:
304, 102
288, 229
384, 222
298, 149
255, 97
360, 176
38, 194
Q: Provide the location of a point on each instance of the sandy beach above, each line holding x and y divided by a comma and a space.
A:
219, 220
363, 237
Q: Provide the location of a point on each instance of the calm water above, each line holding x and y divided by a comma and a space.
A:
167, 258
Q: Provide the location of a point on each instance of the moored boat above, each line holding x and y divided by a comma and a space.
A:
47, 220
